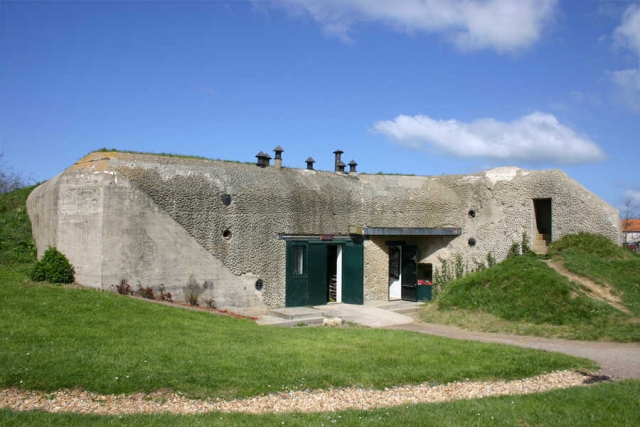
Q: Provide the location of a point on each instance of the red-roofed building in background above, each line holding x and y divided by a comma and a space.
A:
631, 230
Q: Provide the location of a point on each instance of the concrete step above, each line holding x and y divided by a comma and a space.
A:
540, 248
282, 322
406, 310
294, 312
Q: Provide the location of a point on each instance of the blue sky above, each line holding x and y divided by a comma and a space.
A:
425, 87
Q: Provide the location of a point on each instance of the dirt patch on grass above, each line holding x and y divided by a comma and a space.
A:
595, 291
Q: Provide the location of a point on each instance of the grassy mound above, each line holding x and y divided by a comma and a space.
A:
523, 289
604, 262
17, 246
589, 244
523, 295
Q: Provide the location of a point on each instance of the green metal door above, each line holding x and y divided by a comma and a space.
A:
297, 285
352, 273
409, 273
318, 283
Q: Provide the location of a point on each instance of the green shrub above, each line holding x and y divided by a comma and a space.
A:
53, 267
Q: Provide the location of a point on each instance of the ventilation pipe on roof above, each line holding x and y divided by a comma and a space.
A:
263, 159
352, 166
310, 163
338, 153
277, 162
340, 167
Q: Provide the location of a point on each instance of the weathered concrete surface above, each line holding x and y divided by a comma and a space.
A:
112, 231
161, 220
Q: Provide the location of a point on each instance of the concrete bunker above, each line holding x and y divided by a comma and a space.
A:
274, 236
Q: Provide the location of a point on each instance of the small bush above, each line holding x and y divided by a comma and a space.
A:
526, 245
192, 299
147, 292
166, 296
491, 261
124, 288
514, 250
53, 267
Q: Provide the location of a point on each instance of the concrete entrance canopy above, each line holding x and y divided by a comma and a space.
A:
386, 231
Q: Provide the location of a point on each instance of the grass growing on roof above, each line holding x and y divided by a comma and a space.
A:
179, 156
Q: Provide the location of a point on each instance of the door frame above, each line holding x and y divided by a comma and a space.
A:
302, 290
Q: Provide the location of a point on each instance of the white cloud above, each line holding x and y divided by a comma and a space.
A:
627, 35
628, 87
537, 137
502, 25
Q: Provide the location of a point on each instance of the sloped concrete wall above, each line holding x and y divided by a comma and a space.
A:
163, 219
112, 231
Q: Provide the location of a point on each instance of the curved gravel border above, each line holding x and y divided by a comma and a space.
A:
82, 402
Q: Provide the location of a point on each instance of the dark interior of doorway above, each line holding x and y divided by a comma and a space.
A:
332, 272
542, 208
425, 272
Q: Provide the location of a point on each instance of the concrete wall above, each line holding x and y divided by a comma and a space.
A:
112, 231
159, 219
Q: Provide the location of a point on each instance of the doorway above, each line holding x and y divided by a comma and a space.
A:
320, 272
542, 209
403, 273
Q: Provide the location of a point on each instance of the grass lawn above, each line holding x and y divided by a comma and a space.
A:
55, 337
613, 404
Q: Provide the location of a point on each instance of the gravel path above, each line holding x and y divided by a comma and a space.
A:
77, 401
618, 361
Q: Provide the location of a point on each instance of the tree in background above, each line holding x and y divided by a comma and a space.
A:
630, 210
9, 179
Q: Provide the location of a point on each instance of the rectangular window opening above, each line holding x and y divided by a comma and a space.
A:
299, 256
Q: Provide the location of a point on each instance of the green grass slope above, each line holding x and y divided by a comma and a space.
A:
523, 295
598, 258
17, 247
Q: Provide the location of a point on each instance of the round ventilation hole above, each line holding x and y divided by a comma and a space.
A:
226, 199
472, 213
259, 284
471, 241
226, 234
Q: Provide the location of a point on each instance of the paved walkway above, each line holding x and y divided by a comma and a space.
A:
617, 360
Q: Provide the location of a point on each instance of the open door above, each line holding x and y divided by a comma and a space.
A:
409, 277
318, 281
353, 273
395, 273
